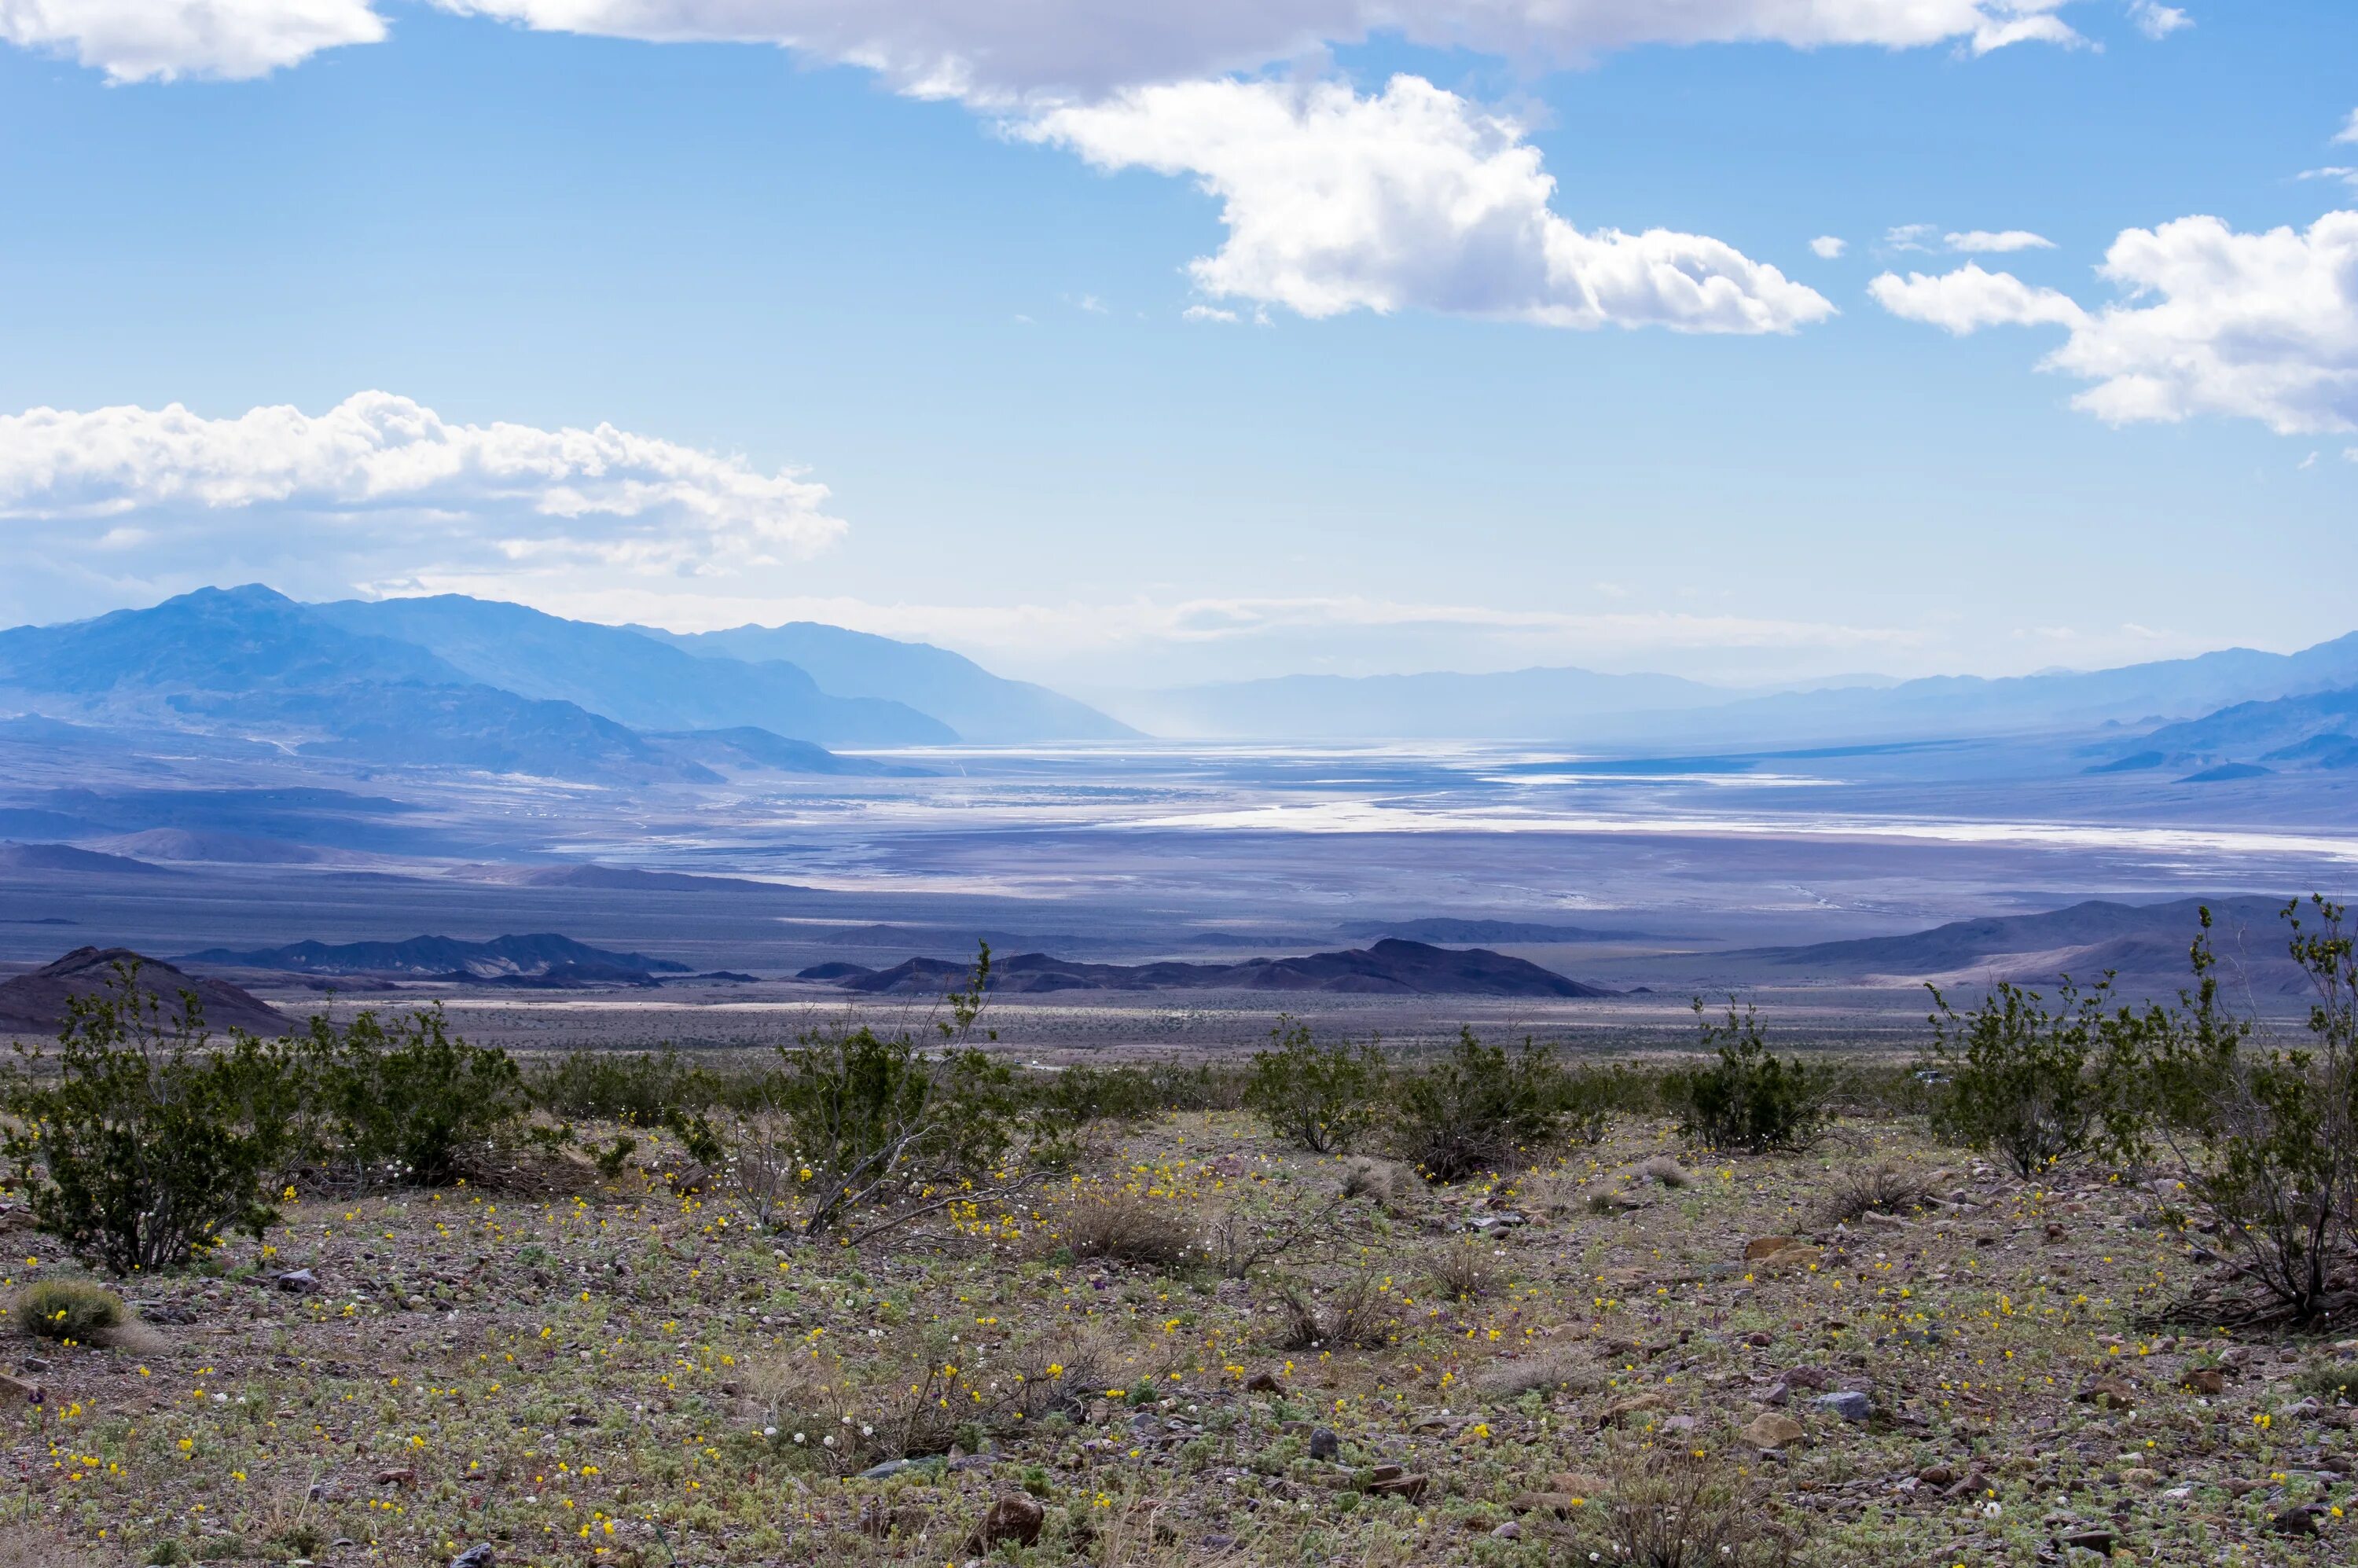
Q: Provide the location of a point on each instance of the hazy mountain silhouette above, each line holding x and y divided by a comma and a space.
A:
981, 706
2317, 731
37, 1004
629, 678
502, 957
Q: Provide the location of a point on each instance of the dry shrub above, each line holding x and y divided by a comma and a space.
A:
1666, 1171
1361, 1314
1383, 1181
1882, 1189
1560, 1370
1671, 1509
1123, 1225
1552, 1193
1462, 1273
1247, 1233
32, 1546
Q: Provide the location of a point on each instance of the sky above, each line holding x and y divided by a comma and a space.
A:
1119, 345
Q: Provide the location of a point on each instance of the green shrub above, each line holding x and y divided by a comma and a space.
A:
1479, 1109
1079, 1096
78, 1310
145, 1146
410, 1102
1748, 1099
1324, 1098
2041, 1087
634, 1088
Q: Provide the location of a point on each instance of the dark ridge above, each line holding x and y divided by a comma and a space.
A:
1389, 967
66, 857
540, 957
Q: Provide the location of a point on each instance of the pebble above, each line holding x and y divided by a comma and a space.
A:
1849, 1403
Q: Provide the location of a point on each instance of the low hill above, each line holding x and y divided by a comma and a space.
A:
1390, 967
2315, 732
66, 857
36, 1003
538, 956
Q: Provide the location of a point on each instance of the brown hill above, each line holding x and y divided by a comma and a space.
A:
35, 1003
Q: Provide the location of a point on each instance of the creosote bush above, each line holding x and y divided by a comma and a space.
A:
411, 1101
78, 1310
1479, 1109
1749, 1100
1324, 1098
2041, 1087
144, 1146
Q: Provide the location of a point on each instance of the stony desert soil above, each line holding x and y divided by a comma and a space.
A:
625, 1374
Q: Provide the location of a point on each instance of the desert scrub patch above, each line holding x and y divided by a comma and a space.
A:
1461, 1272
82, 1311
1125, 1223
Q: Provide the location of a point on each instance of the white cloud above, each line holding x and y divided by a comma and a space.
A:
1975, 241
1969, 299
1411, 198
1209, 313
2156, 21
380, 484
2212, 321
2349, 133
2346, 175
1827, 247
1001, 53
159, 40
1910, 237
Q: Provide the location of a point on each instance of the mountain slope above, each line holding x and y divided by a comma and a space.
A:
502, 957
36, 1003
2317, 730
983, 708
2074, 940
628, 677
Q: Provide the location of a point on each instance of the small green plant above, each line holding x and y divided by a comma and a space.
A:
1324, 1098
1749, 1100
77, 1310
1479, 1109
147, 1143
410, 1100
615, 1157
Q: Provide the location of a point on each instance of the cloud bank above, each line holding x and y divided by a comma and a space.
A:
2211, 322
380, 484
996, 54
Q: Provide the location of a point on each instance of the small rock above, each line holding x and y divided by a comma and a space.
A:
35, 1365
1014, 1516
475, 1557
1848, 1403
1264, 1383
1560, 1503
887, 1470
1509, 1530
2108, 1393
1409, 1487
2207, 1380
2097, 1540
402, 1478
2296, 1519
303, 1282
1761, 1339
2141, 1478
1325, 1445
1769, 1429
1618, 1414
1972, 1486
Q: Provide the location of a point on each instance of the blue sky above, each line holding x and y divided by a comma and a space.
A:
959, 316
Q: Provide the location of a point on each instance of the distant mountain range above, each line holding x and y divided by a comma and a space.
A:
455, 682
1610, 710
1389, 967
2316, 732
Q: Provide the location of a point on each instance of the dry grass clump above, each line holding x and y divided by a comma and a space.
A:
1880, 1189
1123, 1224
1383, 1181
1462, 1273
1361, 1314
1672, 1509
82, 1311
1553, 1371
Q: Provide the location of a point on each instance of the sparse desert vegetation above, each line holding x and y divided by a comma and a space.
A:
885, 1300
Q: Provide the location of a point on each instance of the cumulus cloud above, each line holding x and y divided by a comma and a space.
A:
159, 40
2211, 322
1968, 299
2349, 133
381, 484
1335, 201
1977, 240
999, 53
1827, 247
